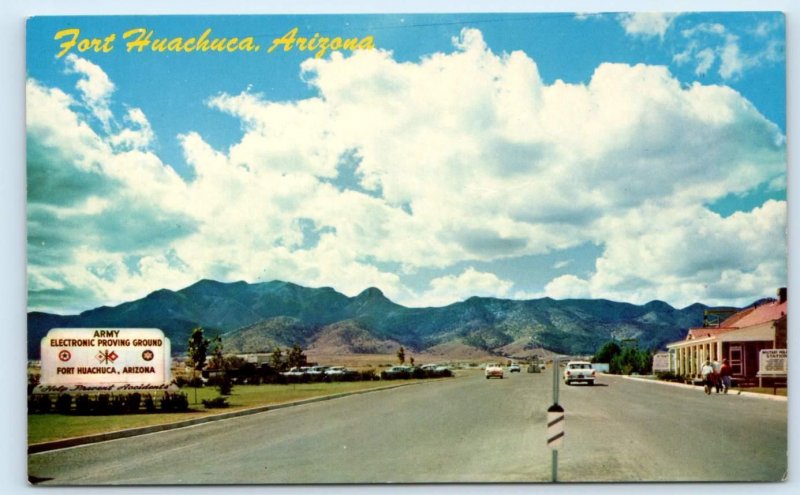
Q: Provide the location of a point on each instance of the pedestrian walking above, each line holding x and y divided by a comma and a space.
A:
707, 372
725, 374
716, 378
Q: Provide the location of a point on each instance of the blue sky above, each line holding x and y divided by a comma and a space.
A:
623, 156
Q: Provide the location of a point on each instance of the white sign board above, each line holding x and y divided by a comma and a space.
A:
661, 362
104, 359
772, 362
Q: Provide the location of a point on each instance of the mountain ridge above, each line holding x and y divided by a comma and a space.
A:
257, 317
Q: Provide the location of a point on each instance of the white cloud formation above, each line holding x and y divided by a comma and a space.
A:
692, 254
450, 288
646, 24
460, 157
710, 43
94, 85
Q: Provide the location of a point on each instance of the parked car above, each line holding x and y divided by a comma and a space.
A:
514, 368
493, 370
336, 371
317, 370
579, 371
296, 371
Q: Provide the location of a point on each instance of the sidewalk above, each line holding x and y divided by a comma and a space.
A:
700, 388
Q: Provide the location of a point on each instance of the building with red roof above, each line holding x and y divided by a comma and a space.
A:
739, 339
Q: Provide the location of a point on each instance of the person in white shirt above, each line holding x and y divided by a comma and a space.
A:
707, 372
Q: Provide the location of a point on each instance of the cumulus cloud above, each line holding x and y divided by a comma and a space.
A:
692, 254
452, 288
646, 24
94, 86
461, 157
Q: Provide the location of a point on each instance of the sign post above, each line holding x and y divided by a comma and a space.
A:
772, 363
555, 423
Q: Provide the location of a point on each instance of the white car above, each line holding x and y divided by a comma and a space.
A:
514, 368
317, 370
336, 371
493, 370
579, 371
296, 371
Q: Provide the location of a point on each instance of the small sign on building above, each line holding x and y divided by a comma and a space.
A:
772, 362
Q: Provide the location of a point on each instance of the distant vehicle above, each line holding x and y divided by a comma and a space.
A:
514, 368
430, 367
296, 371
579, 371
317, 370
336, 371
493, 370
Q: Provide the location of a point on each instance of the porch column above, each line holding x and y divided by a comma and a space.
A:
719, 351
685, 364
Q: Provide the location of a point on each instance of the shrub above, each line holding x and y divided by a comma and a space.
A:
118, 404
149, 403
217, 402
39, 404
132, 402
176, 402
225, 386
64, 404
669, 376
83, 404
102, 406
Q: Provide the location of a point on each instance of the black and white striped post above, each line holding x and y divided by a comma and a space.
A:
555, 423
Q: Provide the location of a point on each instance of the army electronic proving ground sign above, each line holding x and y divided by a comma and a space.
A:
109, 359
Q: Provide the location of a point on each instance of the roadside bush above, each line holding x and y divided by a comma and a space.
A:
400, 375
83, 404
176, 402
368, 375
102, 406
39, 404
149, 403
132, 402
64, 404
215, 403
669, 376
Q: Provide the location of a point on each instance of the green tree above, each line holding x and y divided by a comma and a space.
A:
197, 349
276, 360
401, 355
296, 357
606, 353
222, 365
411, 360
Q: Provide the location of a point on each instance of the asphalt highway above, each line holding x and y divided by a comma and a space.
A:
466, 429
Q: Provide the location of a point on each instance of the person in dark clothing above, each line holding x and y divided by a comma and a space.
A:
725, 375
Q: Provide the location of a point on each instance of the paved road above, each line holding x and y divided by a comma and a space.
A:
460, 430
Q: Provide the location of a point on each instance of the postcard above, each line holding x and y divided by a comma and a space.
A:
406, 248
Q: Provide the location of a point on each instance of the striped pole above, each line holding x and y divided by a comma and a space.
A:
555, 423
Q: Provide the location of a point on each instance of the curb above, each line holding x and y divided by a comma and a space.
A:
144, 430
779, 398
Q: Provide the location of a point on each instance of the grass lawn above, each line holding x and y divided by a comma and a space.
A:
48, 427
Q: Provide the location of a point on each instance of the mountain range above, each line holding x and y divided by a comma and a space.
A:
258, 317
